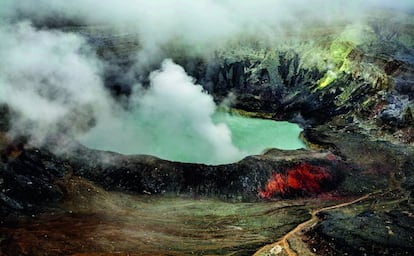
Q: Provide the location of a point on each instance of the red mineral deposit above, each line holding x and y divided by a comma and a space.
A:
304, 178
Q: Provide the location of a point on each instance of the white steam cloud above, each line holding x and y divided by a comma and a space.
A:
172, 120
45, 76
203, 25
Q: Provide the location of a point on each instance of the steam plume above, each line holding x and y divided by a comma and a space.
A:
172, 119
45, 76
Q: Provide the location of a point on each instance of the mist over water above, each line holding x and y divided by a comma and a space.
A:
250, 137
172, 119
254, 135
176, 120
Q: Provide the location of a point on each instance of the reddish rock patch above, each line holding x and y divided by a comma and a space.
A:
302, 179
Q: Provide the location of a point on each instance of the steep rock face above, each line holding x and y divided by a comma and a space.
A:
269, 82
365, 71
285, 84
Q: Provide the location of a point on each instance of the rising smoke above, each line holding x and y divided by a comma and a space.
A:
53, 80
172, 119
45, 77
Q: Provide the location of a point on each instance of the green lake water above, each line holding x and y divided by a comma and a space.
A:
186, 141
255, 135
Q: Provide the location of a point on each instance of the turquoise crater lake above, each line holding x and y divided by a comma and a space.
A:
249, 136
255, 135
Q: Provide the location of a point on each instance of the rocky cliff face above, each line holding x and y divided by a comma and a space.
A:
368, 78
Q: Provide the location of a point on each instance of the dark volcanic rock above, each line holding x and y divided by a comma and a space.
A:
238, 181
384, 224
4, 118
373, 228
397, 113
27, 183
30, 180
379, 164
